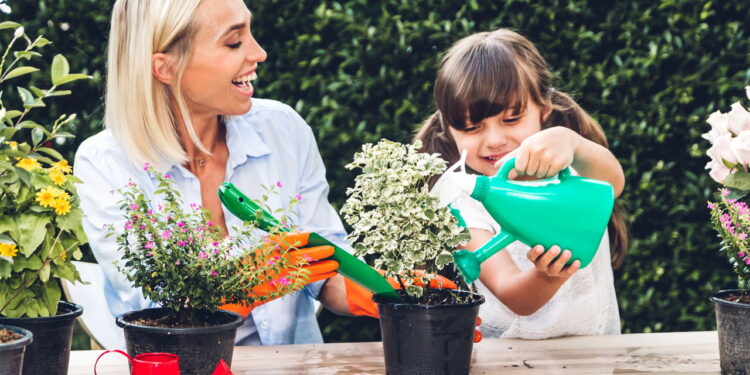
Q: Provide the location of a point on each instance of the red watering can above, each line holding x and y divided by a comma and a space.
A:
149, 363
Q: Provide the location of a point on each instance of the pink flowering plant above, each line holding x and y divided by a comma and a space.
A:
184, 262
729, 165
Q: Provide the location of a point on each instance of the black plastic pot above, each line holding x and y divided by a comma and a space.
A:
199, 349
11, 354
428, 339
50, 352
733, 323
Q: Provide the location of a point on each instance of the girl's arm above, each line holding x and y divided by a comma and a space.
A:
547, 152
523, 292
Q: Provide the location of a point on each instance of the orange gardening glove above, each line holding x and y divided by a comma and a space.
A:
318, 269
360, 300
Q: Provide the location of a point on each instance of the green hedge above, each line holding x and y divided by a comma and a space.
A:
359, 70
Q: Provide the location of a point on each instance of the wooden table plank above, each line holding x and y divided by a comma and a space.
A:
663, 353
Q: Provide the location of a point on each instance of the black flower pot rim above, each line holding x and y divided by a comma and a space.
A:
73, 311
27, 338
478, 300
716, 298
122, 321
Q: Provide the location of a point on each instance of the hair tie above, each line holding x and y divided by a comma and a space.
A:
552, 90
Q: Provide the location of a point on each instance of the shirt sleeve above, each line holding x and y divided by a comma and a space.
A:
474, 214
99, 202
316, 213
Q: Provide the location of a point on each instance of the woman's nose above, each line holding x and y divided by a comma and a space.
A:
256, 52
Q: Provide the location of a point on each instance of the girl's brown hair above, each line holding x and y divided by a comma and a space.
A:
487, 73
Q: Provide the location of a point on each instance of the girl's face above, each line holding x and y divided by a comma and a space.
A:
494, 137
225, 56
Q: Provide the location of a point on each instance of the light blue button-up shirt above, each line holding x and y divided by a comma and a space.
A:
269, 144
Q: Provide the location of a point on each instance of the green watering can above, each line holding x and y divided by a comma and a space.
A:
349, 266
569, 211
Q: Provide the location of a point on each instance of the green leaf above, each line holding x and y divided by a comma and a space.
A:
9, 25
59, 93
51, 152
8, 225
41, 42
738, 180
71, 77
5, 269
32, 230
36, 136
51, 295
21, 70
26, 96
44, 273
12, 114
60, 69
73, 222
26, 54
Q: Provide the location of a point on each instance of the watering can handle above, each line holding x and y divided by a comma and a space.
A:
511, 163
109, 351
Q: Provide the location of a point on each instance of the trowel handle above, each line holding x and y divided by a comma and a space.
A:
246, 209
511, 163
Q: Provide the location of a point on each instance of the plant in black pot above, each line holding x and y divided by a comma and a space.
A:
40, 222
730, 216
185, 264
398, 223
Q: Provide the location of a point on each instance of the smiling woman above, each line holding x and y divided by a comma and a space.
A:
179, 101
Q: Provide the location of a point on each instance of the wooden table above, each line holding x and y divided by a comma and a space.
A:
676, 352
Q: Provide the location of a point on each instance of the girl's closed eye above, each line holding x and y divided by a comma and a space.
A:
512, 120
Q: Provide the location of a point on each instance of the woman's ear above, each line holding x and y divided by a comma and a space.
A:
162, 68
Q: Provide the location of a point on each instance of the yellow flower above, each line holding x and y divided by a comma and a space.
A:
63, 255
57, 177
62, 206
62, 166
46, 197
28, 164
8, 250
13, 144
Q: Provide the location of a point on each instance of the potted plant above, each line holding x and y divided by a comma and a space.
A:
13, 342
395, 220
40, 222
185, 264
730, 216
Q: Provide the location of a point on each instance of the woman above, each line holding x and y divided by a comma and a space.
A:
179, 96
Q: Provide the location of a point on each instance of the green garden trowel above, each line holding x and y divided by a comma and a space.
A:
349, 266
569, 211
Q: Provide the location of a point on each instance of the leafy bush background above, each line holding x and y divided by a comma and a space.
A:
649, 71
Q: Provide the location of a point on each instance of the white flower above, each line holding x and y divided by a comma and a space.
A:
718, 171
738, 119
19, 32
5, 8
747, 91
721, 150
719, 122
740, 148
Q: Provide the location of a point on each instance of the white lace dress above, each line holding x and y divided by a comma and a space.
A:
585, 305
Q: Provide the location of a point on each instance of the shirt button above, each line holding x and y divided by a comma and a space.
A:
264, 325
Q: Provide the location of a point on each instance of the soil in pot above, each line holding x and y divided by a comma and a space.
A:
50, 352
433, 338
199, 348
8, 336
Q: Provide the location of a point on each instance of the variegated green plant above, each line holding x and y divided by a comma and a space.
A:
393, 215
40, 222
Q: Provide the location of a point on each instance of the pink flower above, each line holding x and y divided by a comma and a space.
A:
215, 244
202, 255
214, 273
724, 192
150, 212
711, 206
217, 251
284, 281
167, 234
278, 183
128, 225
307, 258
131, 183
298, 197
181, 243
747, 261
133, 206
149, 254
742, 236
149, 245
177, 263
167, 175
209, 223
142, 227
146, 165
180, 224
270, 263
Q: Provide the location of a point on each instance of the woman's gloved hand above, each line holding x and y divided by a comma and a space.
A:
317, 269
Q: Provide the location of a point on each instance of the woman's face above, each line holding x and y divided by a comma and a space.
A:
494, 137
223, 62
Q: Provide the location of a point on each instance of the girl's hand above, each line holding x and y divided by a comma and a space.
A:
546, 263
545, 153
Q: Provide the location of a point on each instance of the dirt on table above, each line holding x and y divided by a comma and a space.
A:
7, 336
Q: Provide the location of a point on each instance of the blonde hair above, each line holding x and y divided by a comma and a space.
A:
487, 73
138, 111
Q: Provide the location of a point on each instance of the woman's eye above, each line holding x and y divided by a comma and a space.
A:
234, 45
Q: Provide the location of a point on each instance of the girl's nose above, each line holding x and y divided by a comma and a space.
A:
495, 136
256, 52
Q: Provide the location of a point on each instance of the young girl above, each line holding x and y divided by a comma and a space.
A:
495, 99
